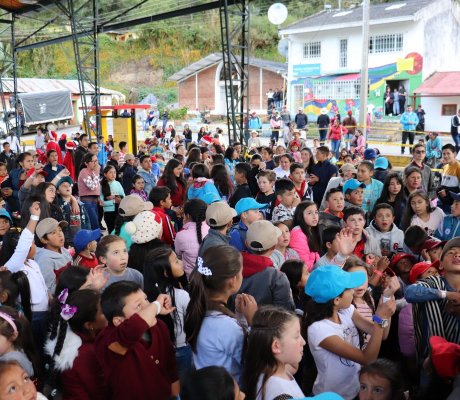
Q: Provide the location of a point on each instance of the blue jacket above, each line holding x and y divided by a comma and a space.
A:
205, 191
409, 121
254, 123
51, 173
102, 154
433, 148
149, 179
449, 228
238, 236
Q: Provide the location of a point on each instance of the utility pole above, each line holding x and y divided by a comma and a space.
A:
364, 69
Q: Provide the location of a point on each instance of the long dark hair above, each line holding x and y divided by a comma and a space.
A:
293, 270
384, 197
105, 187
315, 312
268, 324
137, 253
196, 209
225, 263
311, 232
219, 175
119, 221
208, 383
194, 155
409, 213
168, 176
16, 286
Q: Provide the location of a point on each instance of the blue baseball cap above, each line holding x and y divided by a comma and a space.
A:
85, 236
247, 203
4, 213
329, 281
324, 396
381, 162
370, 154
352, 184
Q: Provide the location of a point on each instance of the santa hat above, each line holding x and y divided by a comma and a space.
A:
54, 135
70, 145
145, 227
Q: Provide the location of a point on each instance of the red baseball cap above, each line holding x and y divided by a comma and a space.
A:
153, 158
40, 172
420, 268
445, 357
398, 257
432, 243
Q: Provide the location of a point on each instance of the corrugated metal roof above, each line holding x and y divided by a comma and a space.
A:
215, 58
441, 83
32, 85
381, 11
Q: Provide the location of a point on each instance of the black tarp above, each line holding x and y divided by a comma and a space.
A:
44, 107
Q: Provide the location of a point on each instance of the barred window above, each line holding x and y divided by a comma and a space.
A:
386, 43
337, 89
298, 96
312, 50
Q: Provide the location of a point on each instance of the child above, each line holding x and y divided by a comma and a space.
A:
71, 345
383, 377
333, 214
163, 273
122, 154
283, 252
373, 187
3, 172
338, 244
267, 155
287, 198
402, 264
17, 342
85, 243
260, 279
282, 171
294, 148
305, 234
138, 185
195, 229
254, 141
383, 229
242, 189
331, 324
451, 223
111, 251
53, 257
297, 175
14, 380
414, 241
111, 194
202, 187
354, 219
248, 211
160, 197
432, 249
217, 277
274, 346
297, 274
421, 213
266, 180
353, 191
135, 346
15, 291
128, 171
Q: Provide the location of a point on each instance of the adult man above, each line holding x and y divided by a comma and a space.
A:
270, 95
321, 173
286, 117
145, 171
455, 130
409, 121
421, 119
81, 150
349, 122
40, 140
8, 157
254, 122
301, 119
418, 155
323, 122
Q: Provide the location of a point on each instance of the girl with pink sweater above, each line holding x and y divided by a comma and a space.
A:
305, 234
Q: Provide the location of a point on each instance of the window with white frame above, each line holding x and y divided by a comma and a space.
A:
343, 53
312, 50
337, 89
297, 100
386, 43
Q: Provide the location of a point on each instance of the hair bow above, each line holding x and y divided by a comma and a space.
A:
202, 269
68, 311
62, 298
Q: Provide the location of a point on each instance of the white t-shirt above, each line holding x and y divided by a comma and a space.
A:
276, 386
182, 298
435, 221
281, 173
335, 374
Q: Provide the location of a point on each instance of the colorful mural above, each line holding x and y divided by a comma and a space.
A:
407, 70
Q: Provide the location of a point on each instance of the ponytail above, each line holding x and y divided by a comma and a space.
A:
196, 209
22, 283
119, 221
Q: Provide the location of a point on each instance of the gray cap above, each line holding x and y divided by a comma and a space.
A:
219, 213
455, 242
48, 225
262, 235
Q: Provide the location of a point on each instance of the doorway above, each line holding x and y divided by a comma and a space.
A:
400, 103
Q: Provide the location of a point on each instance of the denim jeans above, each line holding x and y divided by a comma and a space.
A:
183, 361
322, 135
335, 148
349, 138
456, 139
91, 208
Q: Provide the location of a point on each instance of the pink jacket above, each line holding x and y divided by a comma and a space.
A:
406, 332
299, 243
186, 244
89, 183
336, 132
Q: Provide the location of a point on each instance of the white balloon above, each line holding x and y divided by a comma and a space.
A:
277, 13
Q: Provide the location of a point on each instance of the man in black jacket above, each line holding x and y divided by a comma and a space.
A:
455, 130
80, 152
8, 157
301, 119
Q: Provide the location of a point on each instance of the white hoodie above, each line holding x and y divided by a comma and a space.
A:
391, 241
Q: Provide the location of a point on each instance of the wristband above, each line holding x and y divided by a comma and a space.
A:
377, 272
443, 294
157, 303
385, 299
35, 218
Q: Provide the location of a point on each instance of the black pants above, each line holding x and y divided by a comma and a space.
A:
109, 218
407, 135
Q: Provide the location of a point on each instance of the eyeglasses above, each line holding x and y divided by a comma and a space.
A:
420, 152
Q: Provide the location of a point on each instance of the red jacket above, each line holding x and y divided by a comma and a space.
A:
336, 132
55, 146
133, 368
83, 261
169, 233
178, 197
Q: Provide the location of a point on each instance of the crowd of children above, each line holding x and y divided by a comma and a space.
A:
219, 274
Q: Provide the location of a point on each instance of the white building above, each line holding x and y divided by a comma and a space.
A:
409, 41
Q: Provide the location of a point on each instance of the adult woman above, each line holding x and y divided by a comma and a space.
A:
412, 180
187, 134
89, 187
285, 162
307, 159
52, 168
202, 132
221, 178
173, 178
193, 156
388, 97
402, 98
336, 131
230, 157
393, 194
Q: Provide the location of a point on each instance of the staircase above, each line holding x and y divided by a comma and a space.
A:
385, 130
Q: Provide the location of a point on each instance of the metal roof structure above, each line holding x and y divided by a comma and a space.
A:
441, 84
216, 58
379, 13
